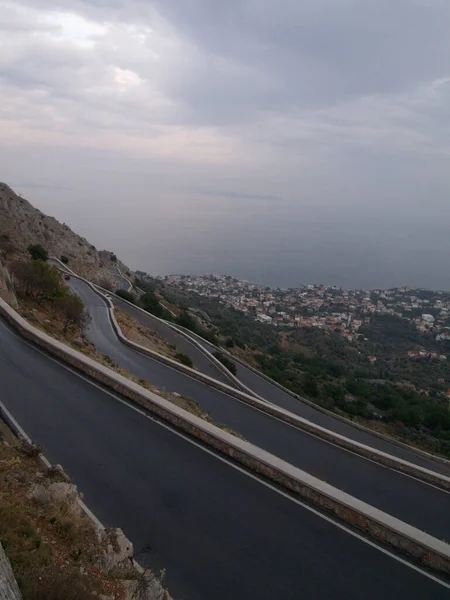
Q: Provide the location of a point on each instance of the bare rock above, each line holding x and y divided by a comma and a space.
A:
9, 590
56, 470
118, 551
67, 493
145, 587
27, 225
119, 547
39, 494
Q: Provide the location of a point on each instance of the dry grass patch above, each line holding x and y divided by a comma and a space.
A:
140, 334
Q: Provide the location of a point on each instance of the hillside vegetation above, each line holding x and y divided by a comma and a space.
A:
403, 398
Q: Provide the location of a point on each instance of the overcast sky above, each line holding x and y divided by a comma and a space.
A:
205, 124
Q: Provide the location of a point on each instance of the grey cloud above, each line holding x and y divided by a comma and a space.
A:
311, 53
244, 58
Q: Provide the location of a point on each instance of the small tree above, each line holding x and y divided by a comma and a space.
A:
38, 280
184, 359
64, 259
310, 386
150, 303
73, 313
38, 252
126, 296
113, 257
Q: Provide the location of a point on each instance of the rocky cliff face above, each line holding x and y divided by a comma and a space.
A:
27, 225
9, 590
6, 288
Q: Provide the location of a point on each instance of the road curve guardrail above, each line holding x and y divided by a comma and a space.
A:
321, 409
383, 458
234, 380
408, 540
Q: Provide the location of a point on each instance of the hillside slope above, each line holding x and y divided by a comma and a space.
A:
24, 225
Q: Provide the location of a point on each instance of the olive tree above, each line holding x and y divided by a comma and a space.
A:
72, 312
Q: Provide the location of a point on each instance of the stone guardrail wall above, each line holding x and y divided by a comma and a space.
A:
234, 380
378, 456
130, 285
201, 343
429, 551
321, 409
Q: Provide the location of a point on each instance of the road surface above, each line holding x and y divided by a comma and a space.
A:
388, 490
219, 533
201, 362
277, 396
121, 282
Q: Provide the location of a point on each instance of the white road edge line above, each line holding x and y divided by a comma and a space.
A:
302, 431
233, 398
243, 471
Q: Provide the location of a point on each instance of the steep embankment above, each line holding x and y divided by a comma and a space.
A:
21, 224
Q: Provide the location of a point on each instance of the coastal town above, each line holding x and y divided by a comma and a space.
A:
326, 307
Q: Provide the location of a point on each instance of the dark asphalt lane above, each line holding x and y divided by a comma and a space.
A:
277, 396
219, 533
272, 393
121, 283
392, 492
280, 398
200, 361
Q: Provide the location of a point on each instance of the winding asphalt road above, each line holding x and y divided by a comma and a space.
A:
406, 498
219, 532
122, 283
201, 362
277, 396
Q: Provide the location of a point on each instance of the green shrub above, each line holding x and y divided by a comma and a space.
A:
37, 252
126, 296
184, 359
38, 280
64, 259
150, 303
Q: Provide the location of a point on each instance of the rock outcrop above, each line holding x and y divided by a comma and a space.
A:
6, 289
25, 225
9, 590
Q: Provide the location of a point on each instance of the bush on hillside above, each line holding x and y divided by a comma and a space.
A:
37, 252
184, 359
72, 312
150, 303
185, 320
38, 280
64, 259
126, 296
